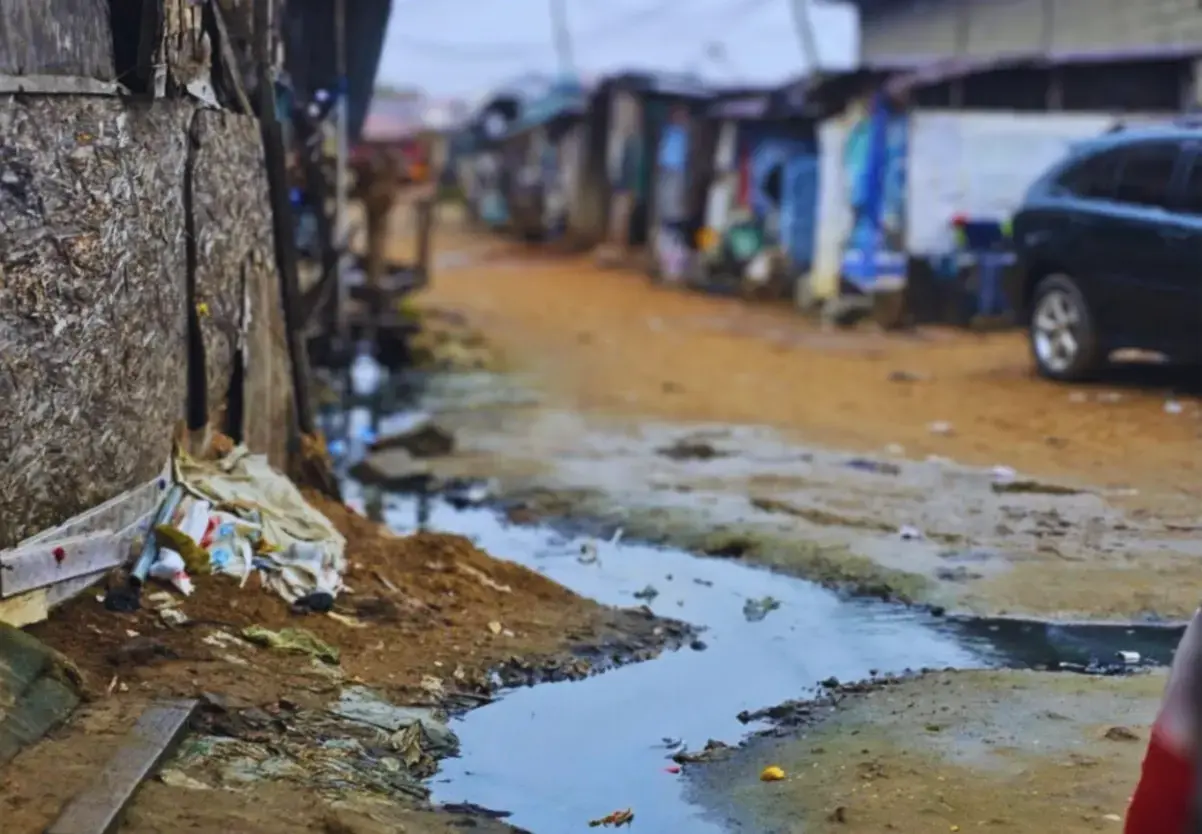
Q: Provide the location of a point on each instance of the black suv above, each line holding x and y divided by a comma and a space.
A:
1109, 246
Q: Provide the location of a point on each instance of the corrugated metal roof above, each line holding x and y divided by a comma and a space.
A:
946, 70
311, 50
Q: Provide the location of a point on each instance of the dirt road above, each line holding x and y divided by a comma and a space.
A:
610, 341
1013, 751
1097, 518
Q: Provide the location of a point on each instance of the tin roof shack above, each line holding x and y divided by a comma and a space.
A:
762, 198
980, 132
139, 285
542, 153
916, 149
930, 30
841, 104
480, 171
627, 114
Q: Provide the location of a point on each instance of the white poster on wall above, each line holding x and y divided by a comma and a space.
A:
980, 164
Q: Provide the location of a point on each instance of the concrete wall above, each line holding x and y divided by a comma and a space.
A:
941, 28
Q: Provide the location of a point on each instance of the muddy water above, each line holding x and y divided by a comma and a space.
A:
558, 755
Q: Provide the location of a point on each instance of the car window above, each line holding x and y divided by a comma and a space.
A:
1093, 177
1191, 198
1145, 174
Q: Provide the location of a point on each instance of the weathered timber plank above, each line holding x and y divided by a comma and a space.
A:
56, 37
99, 808
35, 606
47, 563
92, 253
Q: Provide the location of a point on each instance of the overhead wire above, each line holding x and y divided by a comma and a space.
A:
664, 10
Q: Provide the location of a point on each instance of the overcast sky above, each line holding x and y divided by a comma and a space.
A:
465, 47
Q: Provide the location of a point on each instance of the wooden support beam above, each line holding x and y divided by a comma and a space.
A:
98, 809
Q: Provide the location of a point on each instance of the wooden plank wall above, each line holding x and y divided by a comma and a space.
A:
56, 37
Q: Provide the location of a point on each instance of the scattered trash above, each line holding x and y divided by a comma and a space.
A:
712, 751
178, 779
262, 522
588, 554
647, 594
1109, 397
755, 610
1078, 397
908, 533
366, 373
484, 579
1002, 474
169, 567
865, 465
173, 617
1112, 818
1173, 407
1034, 488
294, 640
691, 450
495, 627
318, 602
1128, 657
895, 449
461, 493
613, 820
358, 703
941, 427
772, 773
1120, 734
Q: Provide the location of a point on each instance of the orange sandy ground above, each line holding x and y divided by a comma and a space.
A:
609, 341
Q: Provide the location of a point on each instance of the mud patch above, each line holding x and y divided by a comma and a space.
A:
1028, 751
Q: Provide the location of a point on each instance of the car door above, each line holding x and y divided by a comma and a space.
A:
1131, 237
1184, 237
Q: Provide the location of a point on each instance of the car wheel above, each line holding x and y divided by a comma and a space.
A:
1061, 330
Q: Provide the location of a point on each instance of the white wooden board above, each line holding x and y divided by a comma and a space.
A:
46, 563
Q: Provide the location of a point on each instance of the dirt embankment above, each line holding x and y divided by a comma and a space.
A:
430, 619
952, 751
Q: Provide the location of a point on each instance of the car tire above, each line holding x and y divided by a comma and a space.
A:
1061, 331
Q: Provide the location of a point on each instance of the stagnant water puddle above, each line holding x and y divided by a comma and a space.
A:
557, 755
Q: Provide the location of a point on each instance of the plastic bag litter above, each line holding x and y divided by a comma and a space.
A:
300, 550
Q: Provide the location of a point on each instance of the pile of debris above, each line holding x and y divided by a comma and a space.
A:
239, 517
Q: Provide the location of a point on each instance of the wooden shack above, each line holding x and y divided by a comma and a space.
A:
627, 115
138, 285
